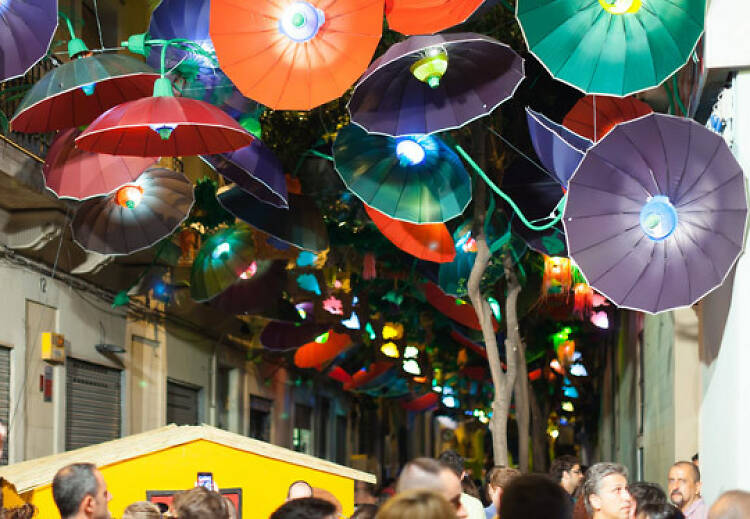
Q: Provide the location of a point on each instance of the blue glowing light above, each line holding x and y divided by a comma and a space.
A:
570, 391
88, 88
409, 151
658, 218
450, 401
309, 283
353, 322
306, 258
221, 251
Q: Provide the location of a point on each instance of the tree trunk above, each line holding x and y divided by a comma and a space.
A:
538, 434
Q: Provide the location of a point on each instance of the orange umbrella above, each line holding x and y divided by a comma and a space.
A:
293, 54
362, 377
610, 111
431, 241
427, 16
321, 350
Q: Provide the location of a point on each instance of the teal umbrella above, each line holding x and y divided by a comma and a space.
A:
612, 47
414, 178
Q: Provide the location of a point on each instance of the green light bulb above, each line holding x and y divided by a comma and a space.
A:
298, 20
433, 81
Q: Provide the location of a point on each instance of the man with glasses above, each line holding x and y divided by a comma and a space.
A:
566, 470
605, 492
429, 474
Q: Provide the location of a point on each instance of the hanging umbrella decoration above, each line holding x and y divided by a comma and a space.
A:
136, 215
611, 47
427, 16
77, 92
417, 179
281, 336
163, 125
253, 294
656, 213
293, 54
77, 174
592, 117
429, 84
455, 308
26, 31
324, 348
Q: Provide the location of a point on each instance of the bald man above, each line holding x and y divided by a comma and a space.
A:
429, 474
734, 504
684, 490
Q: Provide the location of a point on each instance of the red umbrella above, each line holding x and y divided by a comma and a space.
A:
610, 111
339, 374
73, 173
431, 242
456, 309
315, 353
427, 16
362, 377
164, 126
422, 403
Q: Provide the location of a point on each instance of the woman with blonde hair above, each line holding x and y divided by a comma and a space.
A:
411, 504
141, 510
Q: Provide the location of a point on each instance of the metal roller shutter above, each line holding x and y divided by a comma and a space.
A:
182, 404
4, 396
93, 408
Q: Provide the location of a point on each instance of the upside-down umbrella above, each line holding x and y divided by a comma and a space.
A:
163, 126
77, 92
611, 47
223, 258
136, 215
324, 348
26, 30
428, 84
593, 117
282, 336
459, 310
365, 376
73, 173
417, 179
421, 403
256, 170
559, 149
656, 213
301, 225
427, 16
431, 241
295, 54
254, 294
180, 19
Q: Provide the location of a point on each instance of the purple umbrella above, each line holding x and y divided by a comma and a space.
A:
428, 84
559, 149
180, 19
656, 212
26, 30
256, 170
281, 336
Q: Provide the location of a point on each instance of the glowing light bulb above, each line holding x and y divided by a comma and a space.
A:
164, 130
88, 89
411, 352
658, 218
620, 6
129, 196
221, 251
322, 338
249, 271
409, 152
431, 68
389, 349
301, 21
411, 366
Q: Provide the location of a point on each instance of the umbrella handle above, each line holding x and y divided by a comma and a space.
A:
509, 200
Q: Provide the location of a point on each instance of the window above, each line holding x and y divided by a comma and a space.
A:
260, 418
182, 403
302, 432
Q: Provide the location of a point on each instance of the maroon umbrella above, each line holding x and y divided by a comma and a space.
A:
656, 213
428, 84
281, 336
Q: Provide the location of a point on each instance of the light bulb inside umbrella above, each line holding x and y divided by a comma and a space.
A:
658, 218
249, 271
129, 196
620, 6
88, 89
409, 151
301, 21
411, 366
389, 349
431, 68
164, 130
221, 251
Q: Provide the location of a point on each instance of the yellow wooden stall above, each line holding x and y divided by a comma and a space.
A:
169, 458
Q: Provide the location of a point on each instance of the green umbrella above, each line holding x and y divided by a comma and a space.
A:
612, 47
223, 259
416, 178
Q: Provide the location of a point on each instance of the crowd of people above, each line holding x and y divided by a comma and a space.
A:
435, 489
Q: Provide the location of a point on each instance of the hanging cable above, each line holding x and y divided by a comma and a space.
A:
98, 25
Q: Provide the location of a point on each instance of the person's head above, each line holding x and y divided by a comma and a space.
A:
417, 503
232, 511
534, 496
428, 474
694, 459
684, 484
454, 461
605, 491
659, 511
79, 491
26, 511
497, 479
365, 511
305, 508
141, 510
733, 504
566, 470
644, 493
199, 503
364, 493
299, 489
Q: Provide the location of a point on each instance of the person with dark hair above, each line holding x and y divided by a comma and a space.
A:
732, 504
605, 491
684, 488
80, 492
428, 474
566, 471
299, 489
644, 493
695, 460
200, 503
455, 462
305, 508
26, 511
497, 479
659, 511
365, 511
535, 496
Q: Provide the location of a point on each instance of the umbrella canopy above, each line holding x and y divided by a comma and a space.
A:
460, 311
223, 258
594, 116
164, 126
321, 350
431, 241
282, 336
255, 170
656, 213
427, 16
611, 47
180, 19
254, 294
421, 403
301, 225
365, 377
417, 179
293, 54
76, 93
559, 149
77, 174
136, 215
429, 84
26, 30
